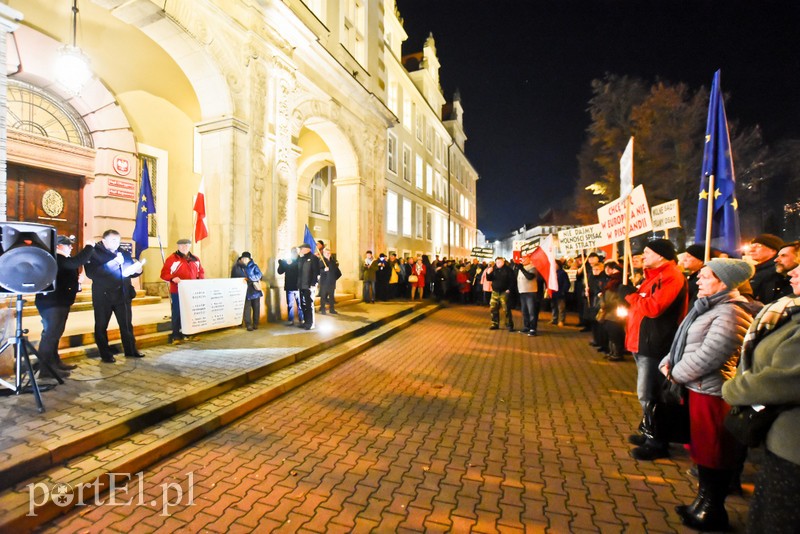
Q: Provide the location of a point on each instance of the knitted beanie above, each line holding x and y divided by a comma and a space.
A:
697, 251
662, 247
770, 241
731, 272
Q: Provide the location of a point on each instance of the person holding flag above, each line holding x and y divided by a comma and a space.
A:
180, 265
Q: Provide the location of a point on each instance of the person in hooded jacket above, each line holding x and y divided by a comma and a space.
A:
246, 268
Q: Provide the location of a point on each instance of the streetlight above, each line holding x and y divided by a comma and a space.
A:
72, 69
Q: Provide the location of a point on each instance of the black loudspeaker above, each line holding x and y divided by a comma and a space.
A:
27, 257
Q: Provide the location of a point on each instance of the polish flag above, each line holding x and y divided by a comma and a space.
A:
544, 259
200, 226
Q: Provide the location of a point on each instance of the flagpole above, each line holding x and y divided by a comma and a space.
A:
709, 217
627, 248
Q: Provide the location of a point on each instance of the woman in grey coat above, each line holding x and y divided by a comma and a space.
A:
703, 356
769, 374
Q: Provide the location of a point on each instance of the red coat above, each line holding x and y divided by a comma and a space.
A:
463, 282
184, 267
420, 271
661, 302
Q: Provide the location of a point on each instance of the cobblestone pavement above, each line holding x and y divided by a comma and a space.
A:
445, 427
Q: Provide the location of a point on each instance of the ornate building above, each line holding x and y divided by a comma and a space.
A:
291, 113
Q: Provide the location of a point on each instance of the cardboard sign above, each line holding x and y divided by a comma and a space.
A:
666, 216
526, 247
612, 218
577, 239
211, 303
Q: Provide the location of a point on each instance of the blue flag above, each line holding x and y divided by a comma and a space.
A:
144, 207
718, 162
308, 238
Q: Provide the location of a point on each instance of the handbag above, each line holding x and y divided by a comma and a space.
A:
667, 419
413, 278
750, 426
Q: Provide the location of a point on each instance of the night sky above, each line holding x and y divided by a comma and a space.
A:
524, 68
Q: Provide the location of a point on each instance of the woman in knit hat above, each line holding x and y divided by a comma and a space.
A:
703, 356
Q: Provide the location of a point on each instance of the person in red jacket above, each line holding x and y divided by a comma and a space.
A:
180, 265
656, 310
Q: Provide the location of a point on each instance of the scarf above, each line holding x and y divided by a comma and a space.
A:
701, 306
769, 319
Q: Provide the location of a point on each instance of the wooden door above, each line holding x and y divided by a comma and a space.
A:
46, 197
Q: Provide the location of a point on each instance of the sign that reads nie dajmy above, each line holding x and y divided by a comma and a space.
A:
612, 218
666, 216
576, 239
482, 252
211, 303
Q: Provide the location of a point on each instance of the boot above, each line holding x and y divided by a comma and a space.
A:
63, 366
684, 510
710, 513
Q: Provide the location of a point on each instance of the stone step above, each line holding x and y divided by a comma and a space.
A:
130, 444
86, 304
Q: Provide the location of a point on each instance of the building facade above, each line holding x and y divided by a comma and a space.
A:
285, 110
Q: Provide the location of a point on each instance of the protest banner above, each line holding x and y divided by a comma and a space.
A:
526, 247
576, 239
482, 252
211, 303
612, 218
665, 216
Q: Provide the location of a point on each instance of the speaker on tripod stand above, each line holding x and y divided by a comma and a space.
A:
27, 265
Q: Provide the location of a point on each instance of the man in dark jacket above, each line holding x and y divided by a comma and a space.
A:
768, 284
558, 300
502, 278
54, 306
530, 289
288, 268
307, 279
246, 268
656, 309
328, 275
111, 270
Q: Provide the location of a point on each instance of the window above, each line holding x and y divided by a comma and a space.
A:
420, 173
429, 179
407, 217
429, 139
418, 222
458, 235
420, 126
391, 212
354, 29
438, 185
438, 145
428, 226
406, 164
391, 152
408, 113
391, 97
320, 192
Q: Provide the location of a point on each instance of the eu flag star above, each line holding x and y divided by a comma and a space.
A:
144, 209
717, 193
703, 195
735, 204
708, 138
144, 198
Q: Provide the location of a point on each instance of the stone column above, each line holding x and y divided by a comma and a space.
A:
8, 23
350, 208
226, 175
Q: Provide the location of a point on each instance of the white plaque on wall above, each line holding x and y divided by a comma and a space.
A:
211, 303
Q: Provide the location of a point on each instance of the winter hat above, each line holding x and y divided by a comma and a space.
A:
697, 251
731, 272
65, 240
246, 255
184, 242
662, 247
304, 245
770, 241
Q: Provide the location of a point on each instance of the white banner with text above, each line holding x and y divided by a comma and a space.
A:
211, 303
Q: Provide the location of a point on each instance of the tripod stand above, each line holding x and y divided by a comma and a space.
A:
22, 351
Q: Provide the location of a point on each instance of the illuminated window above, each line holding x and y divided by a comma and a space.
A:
418, 222
391, 212
408, 113
320, 192
391, 152
420, 173
406, 164
429, 179
406, 217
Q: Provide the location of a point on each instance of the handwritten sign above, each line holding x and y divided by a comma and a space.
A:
665, 216
576, 239
612, 218
211, 303
526, 247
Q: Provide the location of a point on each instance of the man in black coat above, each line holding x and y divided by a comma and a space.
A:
307, 279
767, 283
502, 278
111, 270
288, 268
54, 306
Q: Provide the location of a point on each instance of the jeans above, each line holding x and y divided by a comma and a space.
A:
648, 378
530, 310
307, 306
293, 305
559, 306
368, 291
176, 316
54, 320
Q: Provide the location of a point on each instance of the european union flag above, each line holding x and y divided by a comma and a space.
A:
144, 207
718, 162
308, 238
